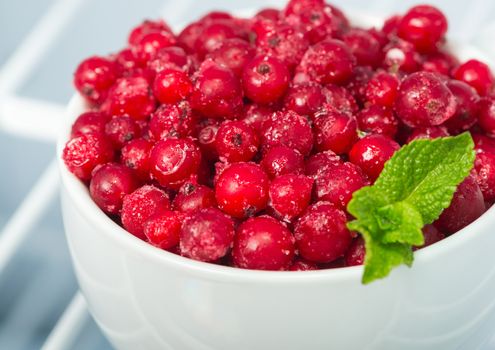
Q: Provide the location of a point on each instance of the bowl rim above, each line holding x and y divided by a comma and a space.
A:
87, 208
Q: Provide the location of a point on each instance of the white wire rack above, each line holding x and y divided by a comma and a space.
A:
40, 306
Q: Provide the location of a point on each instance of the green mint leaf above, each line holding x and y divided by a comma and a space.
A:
415, 186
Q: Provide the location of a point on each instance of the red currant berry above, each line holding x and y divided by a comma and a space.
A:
173, 161
131, 96
391, 25
363, 46
281, 160
236, 142
89, 123
126, 62
136, 155
319, 162
206, 235
477, 74
192, 196
83, 153
212, 35
150, 44
371, 153
304, 99
172, 57
109, 184
172, 120
206, 140
356, 252
338, 182
290, 194
430, 132
376, 119
162, 229
217, 92
265, 79
400, 55
302, 265
424, 100
431, 235
334, 131
485, 167
287, 128
233, 54
146, 27
382, 89
93, 77
339, 99
120, 130
487, 115
483, 143
140, 205
268, 13
466, 206
424, 26
321, 233
263, 243
440, 63
329, 61
242, 190
255, 115
466, 114
171, 86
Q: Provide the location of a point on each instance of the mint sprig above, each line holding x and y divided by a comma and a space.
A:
415, 186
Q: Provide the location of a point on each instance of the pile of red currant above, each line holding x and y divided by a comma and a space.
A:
241, 141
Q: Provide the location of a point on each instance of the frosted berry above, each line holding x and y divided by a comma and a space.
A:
236, 142
89, 123
321, 233
466, 206
131, 96
430, 132
217, 92
173, 161
150, 44
162, 229
356, 253
146, 27
171, 86
376, 119
319, 162
486, 117
193, 196
281, 160
83, 153
304, 99
334, 131
136, 155
340, 99
477, 74
242, 190
93, 77
424, 26
213, 35
483, 143
466, 114
365, 48
382, 89
303, 265
424, 100
290, 194
172, 120
255, 115
431, 235
329, 61
109, 184
485, 167
263, 243
120, 130
265, 79
400, 55
338, 182
172, 57
234, 54
287, 128
206, 141
206, 235
371, 152
140, 205
440, 63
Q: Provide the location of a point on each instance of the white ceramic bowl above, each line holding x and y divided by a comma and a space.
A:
145, 298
